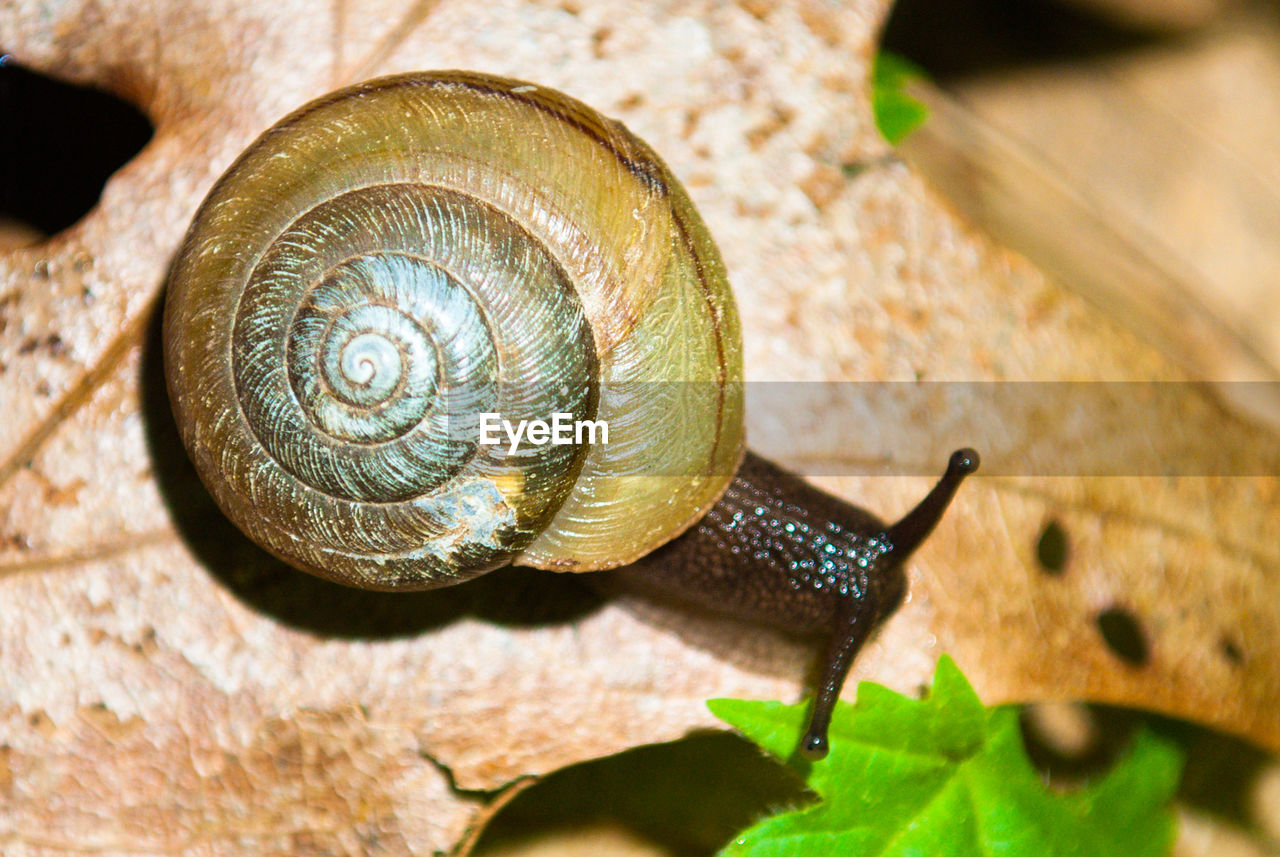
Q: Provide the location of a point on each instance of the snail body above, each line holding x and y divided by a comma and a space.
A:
394, 262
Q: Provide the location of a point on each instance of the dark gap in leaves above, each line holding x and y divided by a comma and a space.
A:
1052, 550
1124, 636
1073, 743
1221, 775
953, 39
60, 145
689, 797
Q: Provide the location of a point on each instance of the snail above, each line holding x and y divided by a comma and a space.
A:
397, 268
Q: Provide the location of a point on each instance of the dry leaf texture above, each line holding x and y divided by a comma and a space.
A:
167, 688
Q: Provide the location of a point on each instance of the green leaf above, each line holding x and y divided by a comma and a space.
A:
897, 114
944, 775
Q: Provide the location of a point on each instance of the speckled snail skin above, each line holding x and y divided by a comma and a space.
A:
396, 258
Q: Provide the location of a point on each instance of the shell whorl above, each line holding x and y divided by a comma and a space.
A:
381, 321
393, 260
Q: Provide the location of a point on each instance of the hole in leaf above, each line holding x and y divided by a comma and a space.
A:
1051, 549
59, 146
1231, 651
1124, 636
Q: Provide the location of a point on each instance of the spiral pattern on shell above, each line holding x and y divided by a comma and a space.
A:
359, 363
392, 261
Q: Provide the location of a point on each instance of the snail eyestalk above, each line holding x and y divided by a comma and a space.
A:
906, 535
852, 627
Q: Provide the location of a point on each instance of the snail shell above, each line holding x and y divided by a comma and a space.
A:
393, 260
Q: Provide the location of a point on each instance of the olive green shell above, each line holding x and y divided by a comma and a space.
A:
396, 258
